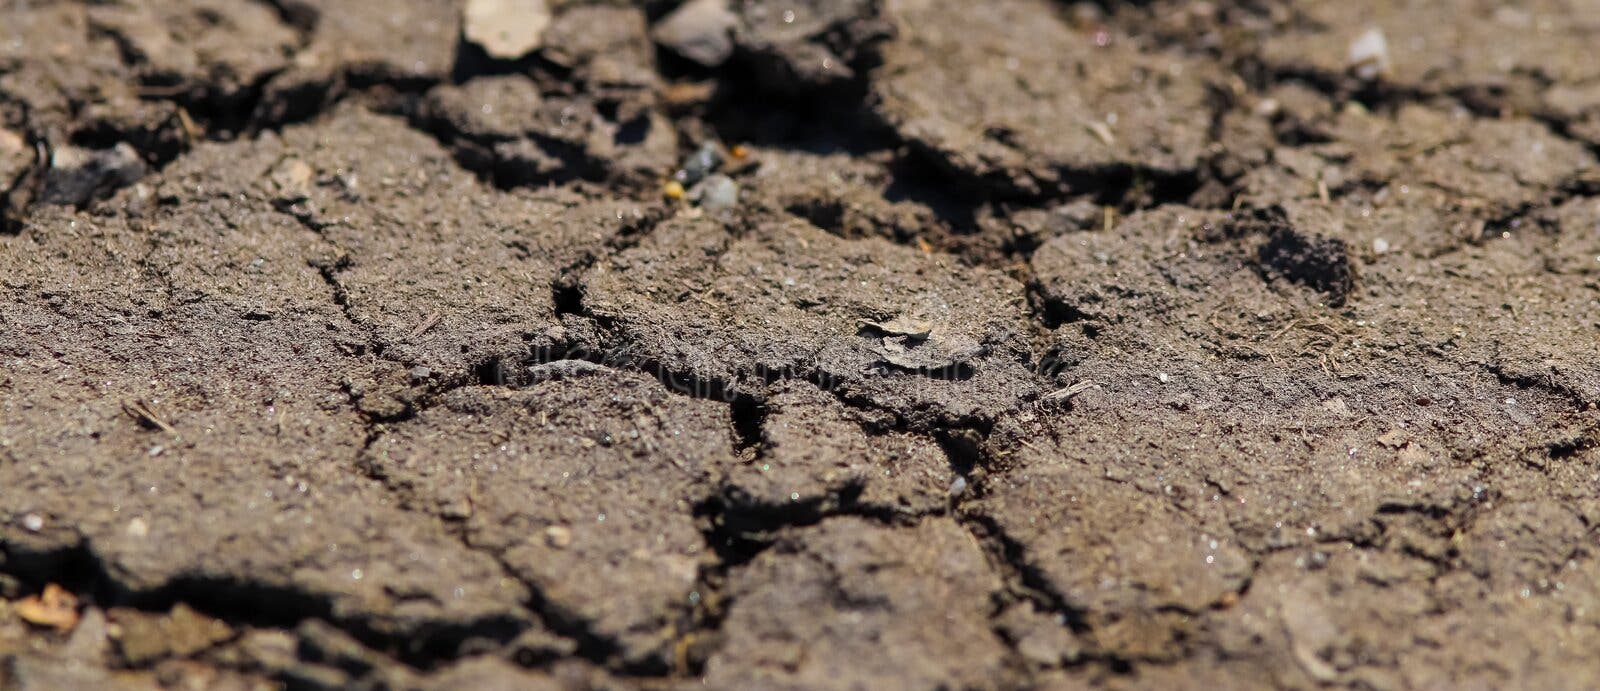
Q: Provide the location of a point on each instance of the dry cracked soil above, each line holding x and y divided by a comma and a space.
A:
799, 344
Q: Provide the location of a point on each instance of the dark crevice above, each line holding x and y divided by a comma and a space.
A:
486, 371
1053, 313
1026, 582
478, 155
1126, 187
686, 383
25, 186
1548, 383
243, 603
489, 373
287, 104
1572, 446
748, 414
738, 529
1011, 557
591, 646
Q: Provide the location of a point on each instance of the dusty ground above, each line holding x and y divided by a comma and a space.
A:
1047, 345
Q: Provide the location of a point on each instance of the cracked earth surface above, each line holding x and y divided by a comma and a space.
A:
1048, 345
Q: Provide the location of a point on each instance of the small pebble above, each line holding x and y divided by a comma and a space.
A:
696, 166
718, 192
1369, 55
506, 29
699, 30
33, 522
959, 487
558, 537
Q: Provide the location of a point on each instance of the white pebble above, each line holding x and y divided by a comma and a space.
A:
718, 192
506, 29
1369, 54
959, 487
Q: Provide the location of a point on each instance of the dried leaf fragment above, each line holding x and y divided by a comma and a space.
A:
55, 607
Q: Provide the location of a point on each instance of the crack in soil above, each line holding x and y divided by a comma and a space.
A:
243, 604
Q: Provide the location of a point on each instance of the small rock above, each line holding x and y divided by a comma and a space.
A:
293, 179
138, 528
704, 161
558, 537
959, 487
717, 192
506, 29
33, 522
1039, 637
699, 30
1369, 55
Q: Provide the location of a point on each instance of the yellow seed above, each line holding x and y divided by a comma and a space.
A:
673, 189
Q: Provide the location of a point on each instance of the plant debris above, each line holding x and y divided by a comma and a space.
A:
53, 608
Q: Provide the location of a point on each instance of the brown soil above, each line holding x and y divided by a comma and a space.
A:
1047, 345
